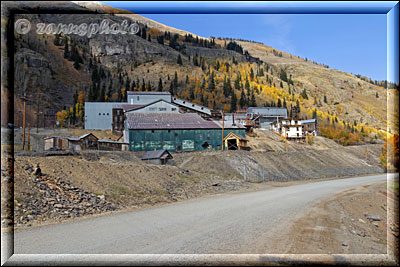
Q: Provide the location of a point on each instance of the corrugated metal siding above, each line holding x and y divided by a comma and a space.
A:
96, 117
177, 139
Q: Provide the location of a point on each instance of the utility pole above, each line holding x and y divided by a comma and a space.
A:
29, 137
24, 121
223, 121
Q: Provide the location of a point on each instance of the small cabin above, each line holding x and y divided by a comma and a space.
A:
84, 142
235, 142
159, 157
109, 145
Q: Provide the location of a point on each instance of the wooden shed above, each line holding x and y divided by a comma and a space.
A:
160, 157
84, 142
113, 145
235, 141
56, 143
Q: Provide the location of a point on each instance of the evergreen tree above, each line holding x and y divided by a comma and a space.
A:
304, 94
102, 96
191, 94
143, 86
298, 105
203, 65
251, 74
211, 84
195, 61
233, 101
160, 87
179, 61
283, 75
148, 86
109, 92
242, 100
253, 99
237, 82
175, 81
171, 88
160, 39
279, 104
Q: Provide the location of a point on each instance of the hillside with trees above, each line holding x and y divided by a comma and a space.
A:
221, 73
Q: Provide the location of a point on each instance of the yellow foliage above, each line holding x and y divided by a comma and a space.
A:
62, 117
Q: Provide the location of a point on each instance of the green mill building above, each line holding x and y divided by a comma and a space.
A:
175, 132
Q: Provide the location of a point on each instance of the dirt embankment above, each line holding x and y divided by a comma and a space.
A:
360, 220
125, 182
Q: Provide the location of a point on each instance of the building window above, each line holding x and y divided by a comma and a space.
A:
298, 135
138, 98
117, 112
163, 109
173, 109
108, 114
99, 114
104, 114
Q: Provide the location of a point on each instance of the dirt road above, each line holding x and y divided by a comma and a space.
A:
233, 223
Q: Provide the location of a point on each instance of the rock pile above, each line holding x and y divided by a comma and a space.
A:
55, 198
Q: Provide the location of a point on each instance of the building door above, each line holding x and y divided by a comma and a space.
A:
178, 141
232, 144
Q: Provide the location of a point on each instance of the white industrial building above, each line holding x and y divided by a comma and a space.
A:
109, 115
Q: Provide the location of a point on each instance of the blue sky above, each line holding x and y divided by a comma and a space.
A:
353, 43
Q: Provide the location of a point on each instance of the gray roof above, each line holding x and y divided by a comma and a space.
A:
268, 111
137, 121
71, 138
167, 121
125, 106
156, 154
111, 141
147, 93
149, 104
192, 106
308, 121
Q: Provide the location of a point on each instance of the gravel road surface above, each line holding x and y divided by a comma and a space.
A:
230, 223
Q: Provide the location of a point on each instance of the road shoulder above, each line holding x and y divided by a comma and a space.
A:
338, 225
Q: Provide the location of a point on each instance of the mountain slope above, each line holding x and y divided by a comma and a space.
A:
211, 72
